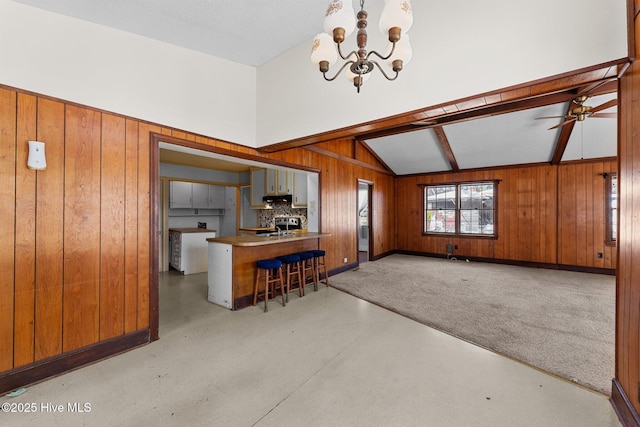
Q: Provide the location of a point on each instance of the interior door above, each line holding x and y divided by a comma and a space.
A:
364, 220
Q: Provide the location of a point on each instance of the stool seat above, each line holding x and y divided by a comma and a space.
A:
305, 255
288, 259
268, 264
318, 252
272, 270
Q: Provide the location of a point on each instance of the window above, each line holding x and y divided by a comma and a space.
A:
611, 203
467, 209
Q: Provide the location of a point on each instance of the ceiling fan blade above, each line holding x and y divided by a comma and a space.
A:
604, 106
566, 122
604, 115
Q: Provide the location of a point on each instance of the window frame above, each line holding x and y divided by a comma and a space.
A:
611, 230
457, 228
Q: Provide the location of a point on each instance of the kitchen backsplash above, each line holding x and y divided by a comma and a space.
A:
267, 216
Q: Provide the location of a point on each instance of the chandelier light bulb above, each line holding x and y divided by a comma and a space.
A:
340, 22
396, 13
402, 51
340, 14
323, 49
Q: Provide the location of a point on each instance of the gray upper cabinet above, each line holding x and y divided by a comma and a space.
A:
180, 195
217, 197
285, 182
279, 182
200, 196
299, 190
258, 187
207, 196
195, 195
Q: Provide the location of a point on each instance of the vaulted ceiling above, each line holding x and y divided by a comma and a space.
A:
491, 130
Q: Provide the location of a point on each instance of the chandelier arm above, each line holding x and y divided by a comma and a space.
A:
339, 71
384, 58
353, 52
383, 73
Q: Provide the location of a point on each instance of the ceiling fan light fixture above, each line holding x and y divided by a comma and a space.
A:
339, 23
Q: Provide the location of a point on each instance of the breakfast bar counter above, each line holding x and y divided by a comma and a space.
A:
232, 262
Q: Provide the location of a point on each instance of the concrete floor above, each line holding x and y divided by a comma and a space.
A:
325, 359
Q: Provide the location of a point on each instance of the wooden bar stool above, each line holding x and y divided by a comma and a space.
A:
292, 269
307, 270
272, 270
319, 262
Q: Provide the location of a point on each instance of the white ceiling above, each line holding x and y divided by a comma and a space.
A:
253, 32
508, 139
248, 32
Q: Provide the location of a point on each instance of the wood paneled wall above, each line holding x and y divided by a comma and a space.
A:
627, 372
74, 237
339, 197
546, 214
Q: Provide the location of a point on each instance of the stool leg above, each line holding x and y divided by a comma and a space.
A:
255, 287
313, 275
326, 275
288, 280
266, 290
300, 281
316, 269
282, 287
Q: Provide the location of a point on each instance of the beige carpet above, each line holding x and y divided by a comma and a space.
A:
559, 321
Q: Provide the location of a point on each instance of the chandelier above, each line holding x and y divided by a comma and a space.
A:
339, 23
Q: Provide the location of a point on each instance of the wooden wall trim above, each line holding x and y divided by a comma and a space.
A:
545, 265
159, 137
622, 406
54, 366
347, 159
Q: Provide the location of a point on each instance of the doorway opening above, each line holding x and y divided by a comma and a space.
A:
364, 220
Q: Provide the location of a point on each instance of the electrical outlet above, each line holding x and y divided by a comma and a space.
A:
344, 260
600, 254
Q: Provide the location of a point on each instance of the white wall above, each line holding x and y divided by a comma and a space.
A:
461, 48
100, 67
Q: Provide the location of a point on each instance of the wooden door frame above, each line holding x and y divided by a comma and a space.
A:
369, 185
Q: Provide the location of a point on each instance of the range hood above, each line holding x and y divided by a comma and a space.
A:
278, 198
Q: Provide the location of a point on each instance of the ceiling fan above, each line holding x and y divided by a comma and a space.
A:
580, 112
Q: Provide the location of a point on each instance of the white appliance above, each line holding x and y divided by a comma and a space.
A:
188, 249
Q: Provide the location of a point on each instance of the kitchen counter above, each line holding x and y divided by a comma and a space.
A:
232, 262
261, 240
193, 230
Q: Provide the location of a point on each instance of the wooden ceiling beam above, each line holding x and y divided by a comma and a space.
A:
446, 148
560, 88
563, 139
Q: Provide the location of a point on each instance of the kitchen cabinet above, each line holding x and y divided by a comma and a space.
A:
279, 182
299, 190
194, 195
258, 186
179, 195
207, 196
199, 196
